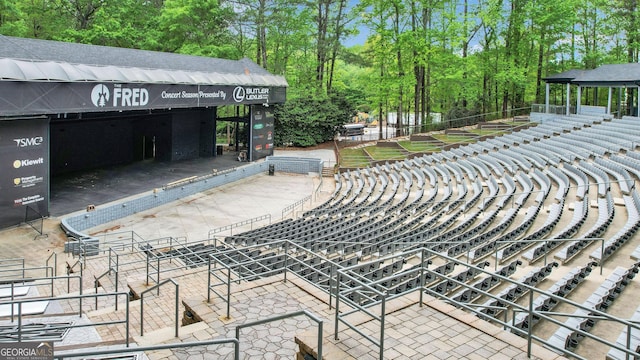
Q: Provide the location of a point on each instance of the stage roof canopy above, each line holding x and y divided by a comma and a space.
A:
35, 60
614, 75
51, 77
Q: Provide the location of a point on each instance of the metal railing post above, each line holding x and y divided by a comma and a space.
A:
209, 279
601, 255
127, 322
530, 324
228, 292
12, 298
286, 256
19, 321
421, 282
158, 275
382, 322
337, 313
147, 279
332, 273
177, 304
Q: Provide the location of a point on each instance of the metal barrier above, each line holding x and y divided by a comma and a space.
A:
13, 283
79, 297
290, 208
286, 316
53, 255
34, 219
158, 288
237, 270
238, 224
150, 266
381, 297
79, 263
12, 262
96, 283
20, 272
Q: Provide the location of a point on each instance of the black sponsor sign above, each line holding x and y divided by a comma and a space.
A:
24, 98
35, 350
261, 132
24, 169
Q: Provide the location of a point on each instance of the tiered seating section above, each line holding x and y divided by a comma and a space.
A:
498, 201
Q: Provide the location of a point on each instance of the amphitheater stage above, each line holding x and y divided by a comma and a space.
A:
76, 191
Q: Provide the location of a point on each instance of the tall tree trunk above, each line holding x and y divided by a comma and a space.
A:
261, 33
465, 49
417, 90
321, 57
539, 66
396, 7
336, 43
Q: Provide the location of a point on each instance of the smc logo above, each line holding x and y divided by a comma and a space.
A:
25, 142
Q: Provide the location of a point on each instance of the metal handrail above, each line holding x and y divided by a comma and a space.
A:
71, 267
429, 254
11, 262
84, 354
284, 245
286, 316
53, 255
227, 298
23, 270
177, 286
547, 316
150, 266
96, 282
238, 224
528, 309
51, 278
80, 297
291, 207
340, 318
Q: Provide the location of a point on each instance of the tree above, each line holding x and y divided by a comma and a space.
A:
197, 27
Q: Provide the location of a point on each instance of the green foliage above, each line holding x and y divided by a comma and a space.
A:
459, 58
310, 121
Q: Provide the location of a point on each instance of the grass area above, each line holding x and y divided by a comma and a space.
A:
482, 132
353, 158
418, 146
452, 139
357, 158
384, 153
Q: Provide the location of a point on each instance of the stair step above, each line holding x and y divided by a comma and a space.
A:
165, 334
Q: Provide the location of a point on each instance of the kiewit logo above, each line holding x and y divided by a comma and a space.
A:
100, 95
21, 163
239, 94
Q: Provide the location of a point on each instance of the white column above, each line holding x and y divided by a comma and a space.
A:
609, 100
546, 99
578, 99
568, 102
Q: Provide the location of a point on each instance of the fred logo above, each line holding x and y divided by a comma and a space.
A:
27, 350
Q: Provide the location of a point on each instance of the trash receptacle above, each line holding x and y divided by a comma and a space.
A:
272, 169
219, 149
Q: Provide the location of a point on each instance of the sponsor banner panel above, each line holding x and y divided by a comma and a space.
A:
262, 124
24, 169
47, 98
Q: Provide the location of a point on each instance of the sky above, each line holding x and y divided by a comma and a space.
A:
358, 39
363, 31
